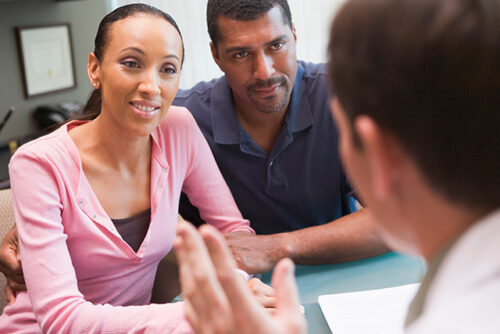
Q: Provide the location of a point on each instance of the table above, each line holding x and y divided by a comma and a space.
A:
388, 270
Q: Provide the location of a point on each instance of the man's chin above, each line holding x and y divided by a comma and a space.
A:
270, 105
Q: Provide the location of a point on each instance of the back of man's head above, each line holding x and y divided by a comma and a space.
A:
241, 10
427, 71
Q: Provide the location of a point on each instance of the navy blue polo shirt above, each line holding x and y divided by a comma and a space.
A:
301, 182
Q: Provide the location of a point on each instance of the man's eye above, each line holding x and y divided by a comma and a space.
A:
130, 64
241, 54
277, 45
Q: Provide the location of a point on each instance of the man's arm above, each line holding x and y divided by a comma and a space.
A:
349, 238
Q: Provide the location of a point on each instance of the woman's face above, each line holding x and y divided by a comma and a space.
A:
139, 72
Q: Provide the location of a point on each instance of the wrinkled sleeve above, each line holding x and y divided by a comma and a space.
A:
206, 188
50, 277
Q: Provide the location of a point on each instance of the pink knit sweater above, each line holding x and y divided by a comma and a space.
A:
82, 277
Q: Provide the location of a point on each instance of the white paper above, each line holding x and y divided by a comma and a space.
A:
372, 311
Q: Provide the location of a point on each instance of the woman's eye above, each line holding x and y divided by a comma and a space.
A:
130, 64
169, 70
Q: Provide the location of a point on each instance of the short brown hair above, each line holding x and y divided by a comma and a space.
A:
428, 71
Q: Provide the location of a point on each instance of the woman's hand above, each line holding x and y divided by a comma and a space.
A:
10, 265
263, 293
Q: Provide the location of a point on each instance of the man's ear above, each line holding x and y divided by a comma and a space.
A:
215, 55
93, 71
294, 32
383, 153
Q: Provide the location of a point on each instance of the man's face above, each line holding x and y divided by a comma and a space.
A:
259, 60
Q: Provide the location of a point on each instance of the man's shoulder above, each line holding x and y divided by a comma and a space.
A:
313, 70
314, 78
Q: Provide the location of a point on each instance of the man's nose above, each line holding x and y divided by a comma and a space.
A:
263, 66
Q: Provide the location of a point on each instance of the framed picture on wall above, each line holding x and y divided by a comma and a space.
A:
46, 58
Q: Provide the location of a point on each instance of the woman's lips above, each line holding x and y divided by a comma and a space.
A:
144, 111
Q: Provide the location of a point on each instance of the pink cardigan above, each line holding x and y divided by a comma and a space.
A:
82, 277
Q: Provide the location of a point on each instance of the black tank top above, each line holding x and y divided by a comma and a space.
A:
134, 229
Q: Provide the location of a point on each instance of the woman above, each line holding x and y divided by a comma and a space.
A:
96, 201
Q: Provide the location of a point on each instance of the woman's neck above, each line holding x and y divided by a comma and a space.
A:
111, 146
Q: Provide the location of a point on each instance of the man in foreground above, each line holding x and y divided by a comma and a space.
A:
416, 85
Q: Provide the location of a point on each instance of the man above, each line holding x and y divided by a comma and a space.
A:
269, 127
416, 85
268, 124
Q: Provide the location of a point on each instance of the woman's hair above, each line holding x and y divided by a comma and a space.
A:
92, 108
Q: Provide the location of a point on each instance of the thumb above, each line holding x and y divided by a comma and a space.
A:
285, 287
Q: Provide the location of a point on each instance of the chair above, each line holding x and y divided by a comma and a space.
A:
167, 285
6, 223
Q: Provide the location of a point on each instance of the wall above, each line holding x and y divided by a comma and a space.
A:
84, 17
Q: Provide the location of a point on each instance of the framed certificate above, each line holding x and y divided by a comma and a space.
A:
46, 58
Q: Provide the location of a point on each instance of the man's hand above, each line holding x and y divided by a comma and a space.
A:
255, 253
10, 265
217, 301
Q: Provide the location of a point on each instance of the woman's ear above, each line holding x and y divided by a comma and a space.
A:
93, 70
383, 154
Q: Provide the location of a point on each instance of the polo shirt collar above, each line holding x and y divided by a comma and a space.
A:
224, 122
225, 125
299, 116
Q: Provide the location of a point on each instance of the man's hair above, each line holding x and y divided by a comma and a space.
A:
427, 71
241, 10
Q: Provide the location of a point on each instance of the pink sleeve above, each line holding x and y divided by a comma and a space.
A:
50, 277
207, 189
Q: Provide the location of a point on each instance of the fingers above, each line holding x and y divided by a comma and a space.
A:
16, 287
259, 288
285, 288
237, 293
10, 263
10, 295
205, 299
267, 302
287, 298
262, 292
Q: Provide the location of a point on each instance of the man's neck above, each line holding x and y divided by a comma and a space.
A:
264, 128
441, 223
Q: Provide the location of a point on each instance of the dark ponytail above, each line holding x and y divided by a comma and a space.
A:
92, 108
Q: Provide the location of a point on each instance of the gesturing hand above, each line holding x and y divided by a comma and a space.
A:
217, 301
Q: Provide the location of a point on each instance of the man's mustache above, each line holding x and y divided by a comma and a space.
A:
263, 84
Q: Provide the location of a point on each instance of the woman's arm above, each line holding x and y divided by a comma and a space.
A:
206, 188
58, 304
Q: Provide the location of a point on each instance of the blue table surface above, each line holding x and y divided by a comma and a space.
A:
388, 270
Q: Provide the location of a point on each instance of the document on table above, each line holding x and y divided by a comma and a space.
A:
371, 311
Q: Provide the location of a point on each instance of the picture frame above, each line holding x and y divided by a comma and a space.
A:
46, 58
